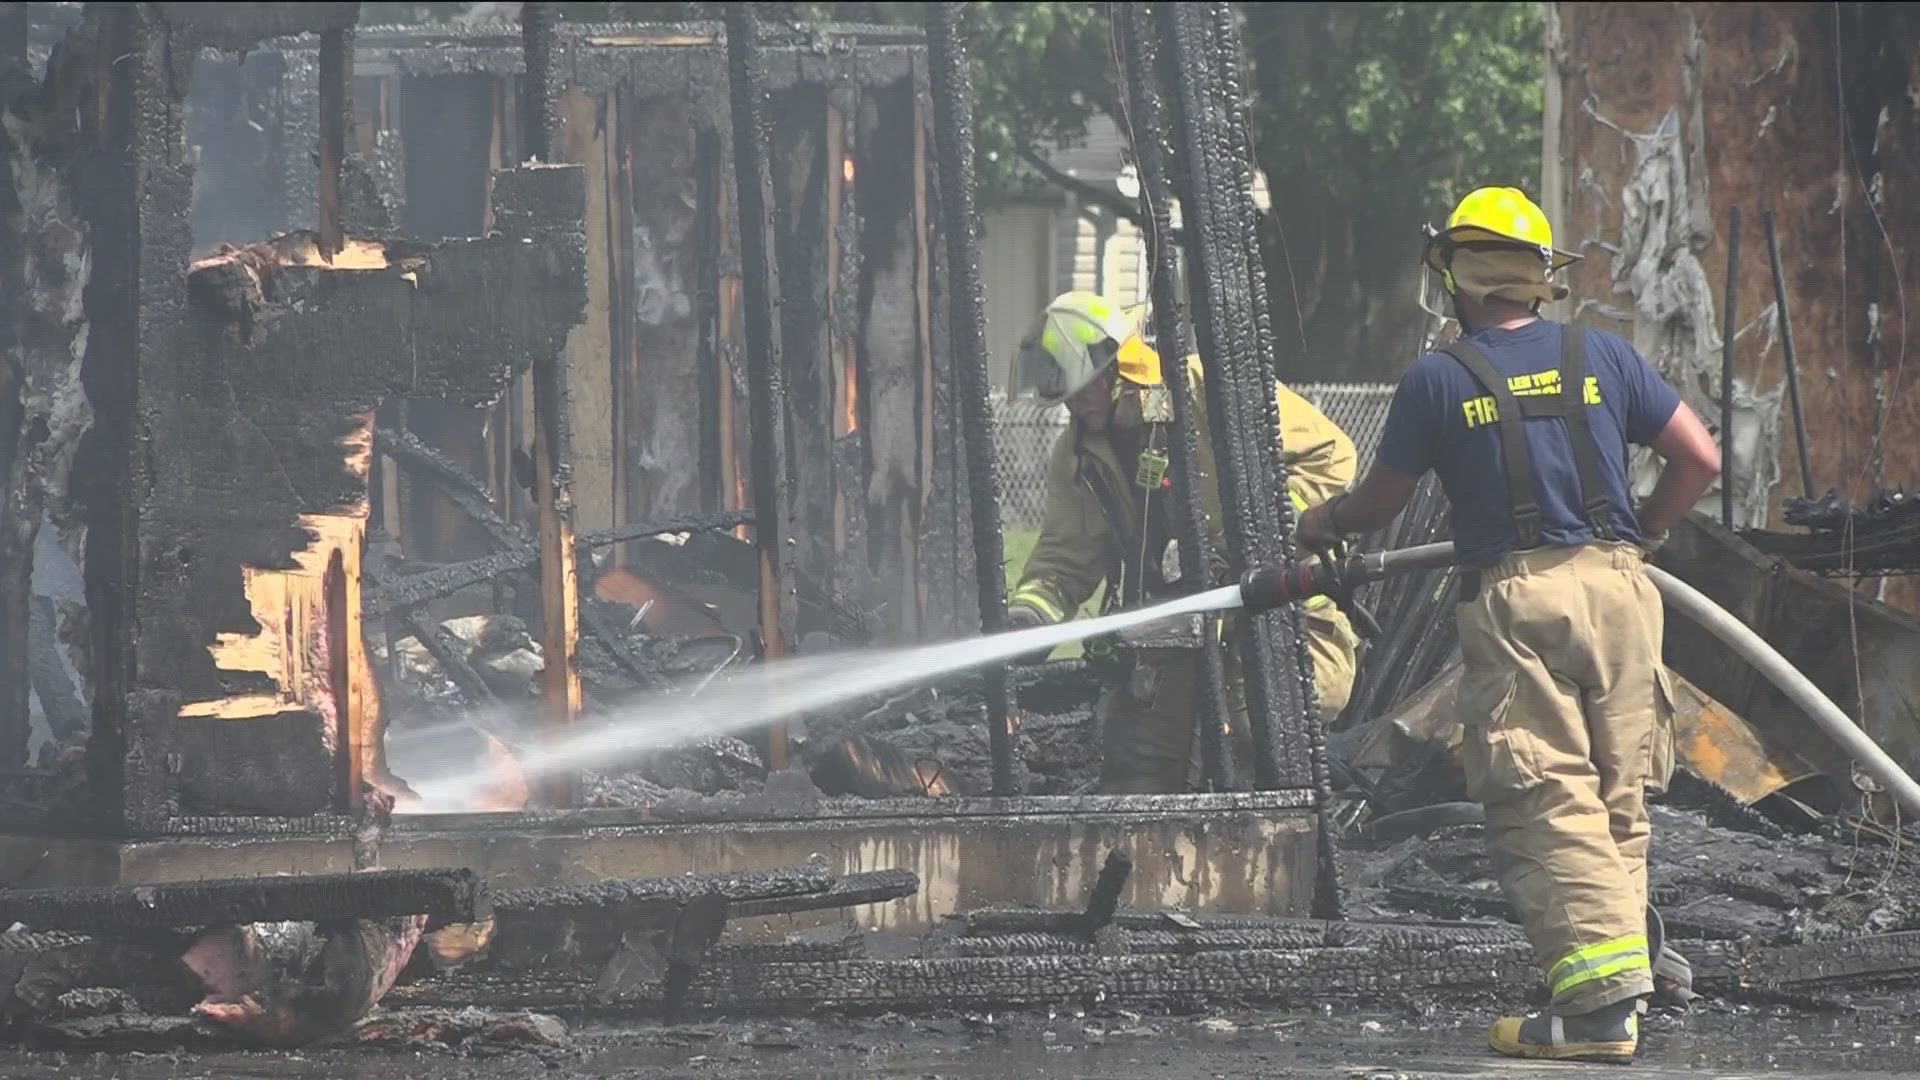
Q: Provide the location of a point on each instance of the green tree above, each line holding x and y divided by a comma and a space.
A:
1370, 118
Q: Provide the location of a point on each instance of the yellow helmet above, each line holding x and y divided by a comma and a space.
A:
1078, 337
1495, 217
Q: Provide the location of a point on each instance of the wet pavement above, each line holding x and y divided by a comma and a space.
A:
1708, 1045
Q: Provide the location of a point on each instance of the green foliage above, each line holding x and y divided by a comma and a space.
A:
1369, 104
1398, 104
1040, 72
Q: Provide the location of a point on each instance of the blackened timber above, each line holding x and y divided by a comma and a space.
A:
953, 141
1295, 662
853, 890
760, 274
467, 493
537, 199
442, 895
708, 192
734, 887
446, 580
800, 169
1151, 156
1240, 389
1276, 978
537, 103
336, 66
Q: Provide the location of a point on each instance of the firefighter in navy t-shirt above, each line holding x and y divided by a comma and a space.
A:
1562, 693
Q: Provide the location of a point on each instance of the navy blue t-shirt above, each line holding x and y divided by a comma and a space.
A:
1442, 420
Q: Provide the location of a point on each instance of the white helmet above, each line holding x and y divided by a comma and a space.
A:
1076, 339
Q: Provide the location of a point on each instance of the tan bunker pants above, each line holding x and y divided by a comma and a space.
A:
1569, 725
1147, 722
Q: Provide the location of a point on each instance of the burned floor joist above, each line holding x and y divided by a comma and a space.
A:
442, 895
764, 885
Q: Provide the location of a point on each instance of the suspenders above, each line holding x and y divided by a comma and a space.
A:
1570, 404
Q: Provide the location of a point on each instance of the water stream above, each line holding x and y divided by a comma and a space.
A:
763, 693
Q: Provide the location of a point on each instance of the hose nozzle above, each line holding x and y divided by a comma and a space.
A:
1263, 588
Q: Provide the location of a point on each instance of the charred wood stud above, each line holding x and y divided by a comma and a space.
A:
1151, 154
760, 288
952, 86
336, 62
537, 111
1233, 327
552, 460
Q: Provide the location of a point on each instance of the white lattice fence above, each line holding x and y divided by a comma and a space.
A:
1025, 431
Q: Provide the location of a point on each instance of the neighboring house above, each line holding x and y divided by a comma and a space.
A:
1046, 242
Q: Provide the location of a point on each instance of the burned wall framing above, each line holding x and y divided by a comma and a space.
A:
231, 404
872, 413
884, 538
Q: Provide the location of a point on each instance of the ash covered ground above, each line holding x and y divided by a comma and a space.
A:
1713, 1043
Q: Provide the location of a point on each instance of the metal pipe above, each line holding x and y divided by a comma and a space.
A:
1726, 371
1793, 367
760, 293
952, 86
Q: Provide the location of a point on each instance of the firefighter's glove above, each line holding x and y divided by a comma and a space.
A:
1345, 592
1022, 617
1104, 656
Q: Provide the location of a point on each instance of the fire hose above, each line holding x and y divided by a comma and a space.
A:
1266, 587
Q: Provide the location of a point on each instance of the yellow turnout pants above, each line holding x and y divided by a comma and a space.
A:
1147, 722
1568, 727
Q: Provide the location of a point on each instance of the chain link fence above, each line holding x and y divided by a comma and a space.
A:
1025, 430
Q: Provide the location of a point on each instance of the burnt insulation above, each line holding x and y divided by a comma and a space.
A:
952, 84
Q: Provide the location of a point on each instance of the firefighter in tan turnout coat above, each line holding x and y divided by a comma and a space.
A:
1568, 717
1109, 518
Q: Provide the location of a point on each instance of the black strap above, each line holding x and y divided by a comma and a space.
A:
1513, 440
1570, 404
1586, 452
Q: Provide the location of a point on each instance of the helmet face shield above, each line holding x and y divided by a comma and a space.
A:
1034, 366
1434, 299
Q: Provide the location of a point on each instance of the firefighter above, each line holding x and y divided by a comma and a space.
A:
1109, 518
1566, 707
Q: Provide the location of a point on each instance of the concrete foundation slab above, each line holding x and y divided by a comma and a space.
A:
1250, 853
